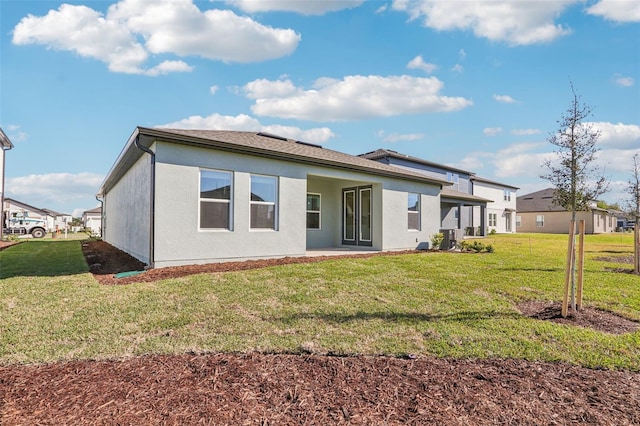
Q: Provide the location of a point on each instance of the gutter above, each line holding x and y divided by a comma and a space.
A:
152, 207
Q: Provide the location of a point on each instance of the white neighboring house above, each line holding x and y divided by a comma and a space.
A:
501, 212
57, 221
92, 219
5, 145
180, 197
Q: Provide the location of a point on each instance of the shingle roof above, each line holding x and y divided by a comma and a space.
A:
260, 144
383, 153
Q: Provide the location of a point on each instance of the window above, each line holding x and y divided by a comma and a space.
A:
413, 211
264, 202
493, 219
507, 195
540, 220
313, 211
518, 221
215, 199
454, 178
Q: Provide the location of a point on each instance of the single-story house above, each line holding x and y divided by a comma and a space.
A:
177, 197
472, 205
92, 219
5, 145
536, 212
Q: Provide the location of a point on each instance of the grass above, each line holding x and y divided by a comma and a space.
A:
437, 304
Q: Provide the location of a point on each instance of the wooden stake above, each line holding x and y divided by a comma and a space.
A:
569, 269
580, 264
636, 243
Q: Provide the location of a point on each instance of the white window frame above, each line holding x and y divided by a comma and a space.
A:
319, 211
273, 203
413, 212
540, 221
493, 219
507, 195
518, 221
229, 202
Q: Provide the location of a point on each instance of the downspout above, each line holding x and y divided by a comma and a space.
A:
101, 215
152, 207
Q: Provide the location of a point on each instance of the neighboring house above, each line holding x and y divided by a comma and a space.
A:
538, 213
92, 219
471, 205
177, 197
15, 208
501, 212
57, 221
5, 145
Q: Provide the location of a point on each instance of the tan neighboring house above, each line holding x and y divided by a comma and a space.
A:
92, 219
536, 212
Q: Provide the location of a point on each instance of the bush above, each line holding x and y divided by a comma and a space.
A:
476, 247
436, 240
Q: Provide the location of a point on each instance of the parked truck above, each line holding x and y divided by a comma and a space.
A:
23, 224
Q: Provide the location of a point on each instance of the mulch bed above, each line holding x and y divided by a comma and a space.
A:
284, 389
266, 389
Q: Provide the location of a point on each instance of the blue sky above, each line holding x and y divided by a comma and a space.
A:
477, 85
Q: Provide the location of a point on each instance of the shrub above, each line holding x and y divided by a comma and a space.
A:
436, 240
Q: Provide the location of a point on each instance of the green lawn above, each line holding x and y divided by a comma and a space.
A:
438, 304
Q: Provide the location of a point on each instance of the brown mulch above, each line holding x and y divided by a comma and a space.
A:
284, 389
266, 389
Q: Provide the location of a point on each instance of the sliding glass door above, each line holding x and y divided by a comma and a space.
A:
356, 216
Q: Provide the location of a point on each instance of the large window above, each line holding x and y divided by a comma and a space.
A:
313, 211
413, 211
215, 199
540, 220
493, 219
264, 202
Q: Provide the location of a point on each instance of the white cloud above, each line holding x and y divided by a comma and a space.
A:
457, 68
617, 135
53, 189
14, 133
617, 10
352, 98
297, 6
213, 89
244, 122
505, 99
462, 54
526, 132
514, 22
399, 137
133, 30
623, 81
418, 63
492, 131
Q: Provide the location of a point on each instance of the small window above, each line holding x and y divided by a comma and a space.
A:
507, 195
540, 220
518, 221
413, 211
264, 202
215, 199
313, 211
453, 178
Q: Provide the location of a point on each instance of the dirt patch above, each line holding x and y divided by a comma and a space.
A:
265, 389
588, 317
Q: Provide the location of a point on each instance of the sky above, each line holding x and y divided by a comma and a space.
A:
477, 85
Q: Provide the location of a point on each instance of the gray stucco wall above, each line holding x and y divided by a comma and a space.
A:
178, 237
127, 211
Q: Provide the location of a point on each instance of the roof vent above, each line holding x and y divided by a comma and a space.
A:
309, 144
269, 135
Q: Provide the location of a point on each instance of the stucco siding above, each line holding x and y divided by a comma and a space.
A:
178, 237
499, 206
127, 211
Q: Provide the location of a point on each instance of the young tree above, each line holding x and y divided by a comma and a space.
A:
573, 171
634, 208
